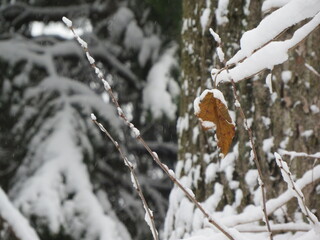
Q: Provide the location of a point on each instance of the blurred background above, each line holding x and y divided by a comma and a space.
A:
55, 165
68, 179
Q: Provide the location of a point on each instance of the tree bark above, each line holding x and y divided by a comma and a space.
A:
279, 120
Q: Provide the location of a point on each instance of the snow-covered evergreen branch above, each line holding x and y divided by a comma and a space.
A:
17, 222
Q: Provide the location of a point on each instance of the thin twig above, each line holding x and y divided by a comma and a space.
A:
134, 179
276, 228
136, 133
248, 129
287, 177
255, 157
294, 154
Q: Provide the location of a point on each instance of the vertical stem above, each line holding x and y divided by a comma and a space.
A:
255, 157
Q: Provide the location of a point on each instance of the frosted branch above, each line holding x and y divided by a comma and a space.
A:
149, 215
252, 143
294, 154
287, 177
215, 222
273, 204
285, 227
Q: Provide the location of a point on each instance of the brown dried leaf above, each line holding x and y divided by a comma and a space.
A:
213, 112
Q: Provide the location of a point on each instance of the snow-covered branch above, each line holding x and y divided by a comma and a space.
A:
17, 222
260, 51
248, 129
149, 214
253, 214
20, 13
287, 177
294, 154
136, 133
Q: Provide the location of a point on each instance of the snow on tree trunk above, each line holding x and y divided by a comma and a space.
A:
287, 118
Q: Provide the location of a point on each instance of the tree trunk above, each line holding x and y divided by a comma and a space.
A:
280, 120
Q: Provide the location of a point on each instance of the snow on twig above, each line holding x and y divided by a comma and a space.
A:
309, 67
294, 154
149, 215
287, 177
215, 222
260, 51
254, 214
252, 143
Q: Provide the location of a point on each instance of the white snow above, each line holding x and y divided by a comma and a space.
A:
272, 25
133, 36
17, 222
237, 104
246, 7
258, 51
267, 144
208, 124
135, 132
82, 43
149, 50
314, 109
148, 220
195, 134
171, 172
215, 36
294, 154
269, 4
67, 22
295, 189
93, 117
90, 59
269, 82
156, 96
211, 172
275, 52
204, 18
251, 178
183, 123
133, 181
286, 76
220, 54
312, 69
119, 22
54, 28
307, 133
55, 186
106, 85
222, 12
215, 93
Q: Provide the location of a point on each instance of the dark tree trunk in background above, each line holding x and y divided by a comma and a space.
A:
280, 118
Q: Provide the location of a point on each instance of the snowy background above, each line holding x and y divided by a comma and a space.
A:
61, 178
